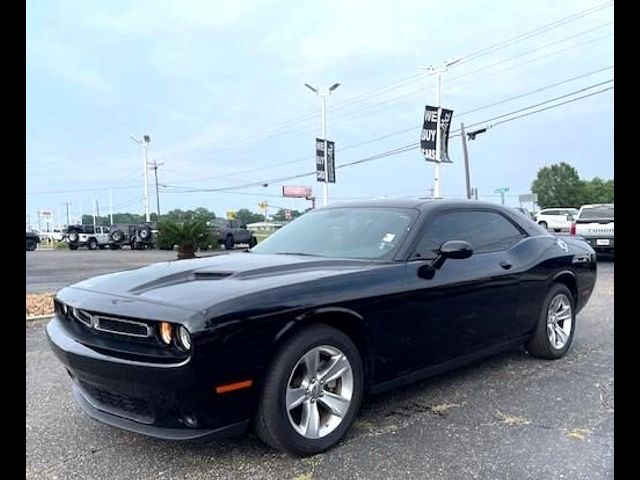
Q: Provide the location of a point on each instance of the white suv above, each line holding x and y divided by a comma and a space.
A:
86, 235
556, 219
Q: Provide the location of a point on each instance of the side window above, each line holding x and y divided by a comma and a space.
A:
486, 231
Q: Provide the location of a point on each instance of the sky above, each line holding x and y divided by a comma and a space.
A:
219, 87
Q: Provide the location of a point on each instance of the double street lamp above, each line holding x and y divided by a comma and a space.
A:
323, 105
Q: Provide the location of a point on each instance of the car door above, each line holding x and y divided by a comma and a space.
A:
469, 304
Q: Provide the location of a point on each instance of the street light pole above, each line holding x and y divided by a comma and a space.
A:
466, 160
439, 71
145, 145
323, 106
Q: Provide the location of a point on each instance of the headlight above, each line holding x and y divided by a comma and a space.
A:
166, 332
184, 338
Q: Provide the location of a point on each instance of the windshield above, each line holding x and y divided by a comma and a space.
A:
358, 232
601, 211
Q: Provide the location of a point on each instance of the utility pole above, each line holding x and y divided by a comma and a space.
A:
439, 71
94, 212
323, 105
146, 139
110, 208
466, 160
155, 171
67, 205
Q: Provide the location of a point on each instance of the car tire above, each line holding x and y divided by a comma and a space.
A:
102, 247
73, 246
31, 244
113, 246
73, 237
274, 422
543, 225
253, 242
92, 244
144, 232
117, 236
229, 242
554, 332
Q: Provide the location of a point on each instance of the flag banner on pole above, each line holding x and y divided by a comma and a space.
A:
320, 160
429, 135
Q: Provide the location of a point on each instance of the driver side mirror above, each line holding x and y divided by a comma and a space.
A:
451, 249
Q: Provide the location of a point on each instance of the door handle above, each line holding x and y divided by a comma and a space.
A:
505, 264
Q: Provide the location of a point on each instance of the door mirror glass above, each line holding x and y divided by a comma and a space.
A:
456, 249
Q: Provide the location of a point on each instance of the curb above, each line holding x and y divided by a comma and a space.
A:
39, 317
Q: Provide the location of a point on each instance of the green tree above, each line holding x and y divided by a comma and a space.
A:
179, 215
188, 235
598, 191
559, 185
247, 216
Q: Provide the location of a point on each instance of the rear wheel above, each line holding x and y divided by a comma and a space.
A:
253, 242
229, 243
543, 224
73, 246
102, 247
312, 392
114, 246
554, 333
31, 244
93, 244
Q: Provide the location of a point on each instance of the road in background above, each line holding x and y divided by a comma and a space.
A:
50, 270
509, 417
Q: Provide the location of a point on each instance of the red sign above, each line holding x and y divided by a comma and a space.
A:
296, 191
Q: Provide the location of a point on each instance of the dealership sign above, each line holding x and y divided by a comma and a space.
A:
331, 160
296, 191
430, 134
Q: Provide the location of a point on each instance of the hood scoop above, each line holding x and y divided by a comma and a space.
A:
211, 275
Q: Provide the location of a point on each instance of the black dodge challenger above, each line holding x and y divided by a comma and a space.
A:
288, 337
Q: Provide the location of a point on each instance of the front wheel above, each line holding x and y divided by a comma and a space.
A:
253, 242
312, 392
93, 244
556, 325
229, 243
73, 246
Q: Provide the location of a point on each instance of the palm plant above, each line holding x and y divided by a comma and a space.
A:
187, 235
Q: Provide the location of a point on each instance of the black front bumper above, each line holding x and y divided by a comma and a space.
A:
173, 402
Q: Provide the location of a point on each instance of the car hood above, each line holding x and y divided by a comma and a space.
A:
214, 285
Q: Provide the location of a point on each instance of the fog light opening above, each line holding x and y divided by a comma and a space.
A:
189, 420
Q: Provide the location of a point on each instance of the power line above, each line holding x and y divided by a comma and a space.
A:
466, 58
410, 146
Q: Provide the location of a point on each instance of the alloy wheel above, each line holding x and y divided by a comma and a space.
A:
319, 391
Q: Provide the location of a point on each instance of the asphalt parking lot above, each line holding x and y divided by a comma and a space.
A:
50, 270
509, 417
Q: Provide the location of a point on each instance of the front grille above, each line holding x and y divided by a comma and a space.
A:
117, 326
118, 403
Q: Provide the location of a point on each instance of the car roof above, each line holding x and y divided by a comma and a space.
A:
418, 203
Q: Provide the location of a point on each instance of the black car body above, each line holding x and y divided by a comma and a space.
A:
409, 314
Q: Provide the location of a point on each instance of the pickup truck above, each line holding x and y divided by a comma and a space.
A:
87, 235
594, 223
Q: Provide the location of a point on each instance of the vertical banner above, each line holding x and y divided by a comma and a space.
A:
430, 134
445, 124
320, 160
331, 161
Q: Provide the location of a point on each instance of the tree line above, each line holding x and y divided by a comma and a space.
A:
560, 185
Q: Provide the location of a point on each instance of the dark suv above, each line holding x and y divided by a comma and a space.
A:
230, 232
32, 241
136, 236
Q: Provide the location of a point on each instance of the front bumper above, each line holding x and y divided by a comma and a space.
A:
174, 402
